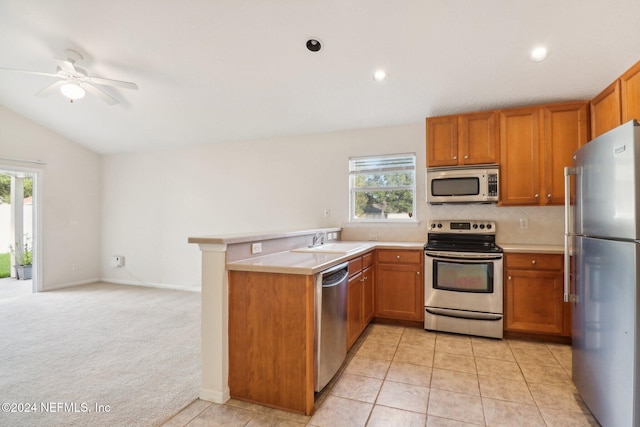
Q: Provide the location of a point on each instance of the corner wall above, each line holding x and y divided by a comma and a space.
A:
71, 199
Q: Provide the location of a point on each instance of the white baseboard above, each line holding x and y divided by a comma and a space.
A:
215, 396
151, 285
68, 285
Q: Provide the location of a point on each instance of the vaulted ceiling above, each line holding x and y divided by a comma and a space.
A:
212, 71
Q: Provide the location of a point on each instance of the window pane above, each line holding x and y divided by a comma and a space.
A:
391, 179
382, 187
393, 204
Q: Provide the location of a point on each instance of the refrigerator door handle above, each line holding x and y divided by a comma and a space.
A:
568, 232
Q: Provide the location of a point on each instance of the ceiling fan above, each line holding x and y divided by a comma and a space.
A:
75, 82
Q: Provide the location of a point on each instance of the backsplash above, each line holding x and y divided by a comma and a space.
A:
545, 224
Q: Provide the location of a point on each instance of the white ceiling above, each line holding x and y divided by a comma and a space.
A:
224, 70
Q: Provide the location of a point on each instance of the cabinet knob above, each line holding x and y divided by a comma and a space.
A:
509, 278
398, 256
549, 196
418, 273
466, 157
536, 195
455, 157
533, 261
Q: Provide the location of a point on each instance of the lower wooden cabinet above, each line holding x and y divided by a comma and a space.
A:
360, 296
400, 285
271, 339
533, 295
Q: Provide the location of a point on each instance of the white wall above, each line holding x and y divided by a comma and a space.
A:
154, 201
71, 198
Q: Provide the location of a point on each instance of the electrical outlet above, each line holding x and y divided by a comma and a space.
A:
256, 248
327, 212
524, 223
117, 261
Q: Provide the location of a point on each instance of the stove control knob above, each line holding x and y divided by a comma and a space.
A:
489, 226
481, 226
475, 226
439, 225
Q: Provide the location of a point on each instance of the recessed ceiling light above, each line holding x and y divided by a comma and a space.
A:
314, 45
380, 76
538, 54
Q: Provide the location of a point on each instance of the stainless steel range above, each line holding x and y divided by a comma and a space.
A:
463, 278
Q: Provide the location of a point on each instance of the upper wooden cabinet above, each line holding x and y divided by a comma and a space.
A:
467, 139
520, 156
536, 144
630, 91
617, 103
606, 110
565, 129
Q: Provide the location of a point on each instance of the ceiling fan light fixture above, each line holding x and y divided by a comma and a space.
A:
72, 91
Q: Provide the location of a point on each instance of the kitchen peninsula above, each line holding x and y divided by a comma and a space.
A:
285, 292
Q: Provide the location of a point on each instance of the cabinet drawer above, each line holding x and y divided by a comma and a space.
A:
391, 256
367, 259
355, 265
546, 262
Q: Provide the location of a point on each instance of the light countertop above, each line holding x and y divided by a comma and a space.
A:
307, 263
526, 248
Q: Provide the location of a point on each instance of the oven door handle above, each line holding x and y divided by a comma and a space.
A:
463, 314
465, 258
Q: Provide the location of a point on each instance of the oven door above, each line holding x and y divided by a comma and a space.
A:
464, 281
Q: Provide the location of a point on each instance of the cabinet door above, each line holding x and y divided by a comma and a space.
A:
606, 111
534, 302
354, 309
565, 130
442, 141
368, 295
478, 135
399, 292
630, 87
520, 156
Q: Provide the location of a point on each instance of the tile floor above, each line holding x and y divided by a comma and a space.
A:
397, 376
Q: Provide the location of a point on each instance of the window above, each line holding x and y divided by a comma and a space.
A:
382, 188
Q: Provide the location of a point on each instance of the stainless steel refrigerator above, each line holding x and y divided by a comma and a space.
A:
603, 233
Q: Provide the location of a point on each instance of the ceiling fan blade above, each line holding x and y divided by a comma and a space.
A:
99, 93
110, 82
66, 66
50, 89
30, 72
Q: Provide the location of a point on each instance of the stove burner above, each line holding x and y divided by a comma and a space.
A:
462, 236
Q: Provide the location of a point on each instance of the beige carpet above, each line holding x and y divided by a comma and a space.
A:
98, 355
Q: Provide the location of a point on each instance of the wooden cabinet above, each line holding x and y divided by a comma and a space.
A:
606, 109
400, 285
520, 156
565, 128
533, 295
467, 139
630, 93
360, 296
617, 103
271, 339
536, 144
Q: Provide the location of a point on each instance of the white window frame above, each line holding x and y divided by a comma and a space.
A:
367, 165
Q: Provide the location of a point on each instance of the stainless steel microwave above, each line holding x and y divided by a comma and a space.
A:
467, 184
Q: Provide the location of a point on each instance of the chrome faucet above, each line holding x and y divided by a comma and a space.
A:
320, 236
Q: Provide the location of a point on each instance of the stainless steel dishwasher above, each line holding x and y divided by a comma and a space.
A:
330, 346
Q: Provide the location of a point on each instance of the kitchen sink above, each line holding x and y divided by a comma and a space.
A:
333, 248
